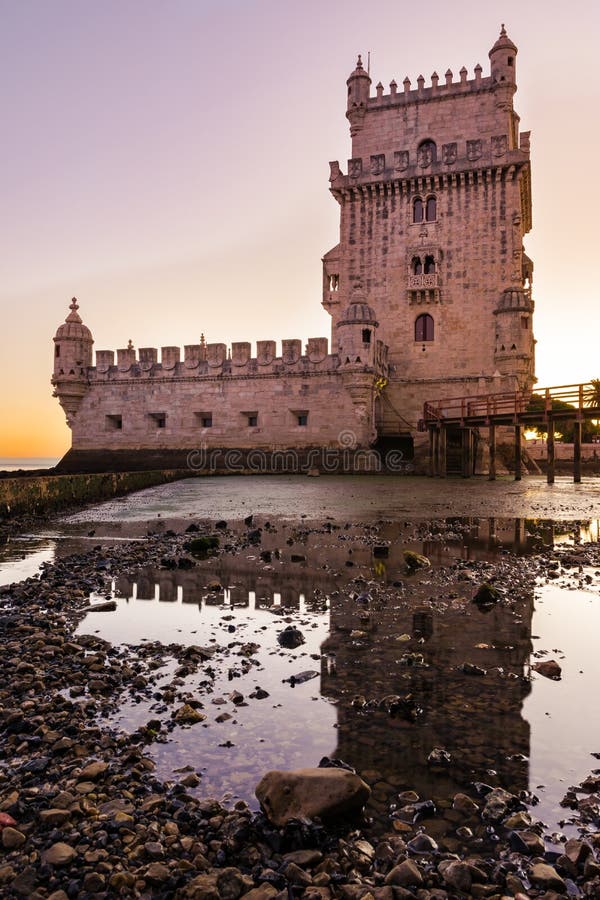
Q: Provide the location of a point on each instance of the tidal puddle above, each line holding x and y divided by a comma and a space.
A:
392, 666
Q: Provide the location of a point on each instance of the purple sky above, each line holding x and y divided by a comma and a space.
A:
167, 163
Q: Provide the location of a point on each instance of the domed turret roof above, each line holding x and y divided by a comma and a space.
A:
359, 313
73, 328
359, 71
503, 42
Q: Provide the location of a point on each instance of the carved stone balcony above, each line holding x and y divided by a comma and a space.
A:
422, 281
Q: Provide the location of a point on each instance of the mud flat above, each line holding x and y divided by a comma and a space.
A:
132, 734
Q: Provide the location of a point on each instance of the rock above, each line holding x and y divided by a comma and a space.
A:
422, 843
405, 874
464, 804
534, 844
202, 887
577, 851
439, 757
546, 877
187, 715
414, 561
93, 770
94, 882
59, 854
296, 875
291, 637
12, 838
549, 668
55, 816
487, 595
326, 793
457, 875
263, 892
157, 872
301, 677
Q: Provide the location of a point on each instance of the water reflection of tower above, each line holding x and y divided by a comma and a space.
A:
478, 719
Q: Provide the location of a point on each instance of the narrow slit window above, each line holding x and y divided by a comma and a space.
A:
366, 335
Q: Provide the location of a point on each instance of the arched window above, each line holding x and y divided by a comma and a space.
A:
416, 265
429, 265
431, 209
424, 328
417, 210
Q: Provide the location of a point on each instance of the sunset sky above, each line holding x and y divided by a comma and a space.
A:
167, 163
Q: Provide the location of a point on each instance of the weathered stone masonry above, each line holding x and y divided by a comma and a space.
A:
429, 290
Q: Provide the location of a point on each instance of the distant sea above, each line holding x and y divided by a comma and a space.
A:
13, 463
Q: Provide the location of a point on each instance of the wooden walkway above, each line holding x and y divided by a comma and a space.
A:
517, 409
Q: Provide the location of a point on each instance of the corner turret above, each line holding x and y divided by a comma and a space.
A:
359, 85
503, 66
73, 344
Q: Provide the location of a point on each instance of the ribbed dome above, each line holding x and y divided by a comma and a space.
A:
503, 43
359, 71
359, 314
73, 328
515, 298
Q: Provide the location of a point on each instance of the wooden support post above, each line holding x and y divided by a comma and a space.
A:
492, 467
577, 451
442, 452
466, 452
550, 449
431, 472
517, 452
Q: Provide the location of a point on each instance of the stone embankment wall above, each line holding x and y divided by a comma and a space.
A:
46, 493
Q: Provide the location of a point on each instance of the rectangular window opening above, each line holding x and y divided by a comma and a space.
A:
158, 419
300, 417
204, 419
251, 418
114, 423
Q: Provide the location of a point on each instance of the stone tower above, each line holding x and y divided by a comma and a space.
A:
434, 207
73, 344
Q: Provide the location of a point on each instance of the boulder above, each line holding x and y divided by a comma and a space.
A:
326, 794
549, 668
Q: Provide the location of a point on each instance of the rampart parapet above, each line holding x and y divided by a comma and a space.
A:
217, 359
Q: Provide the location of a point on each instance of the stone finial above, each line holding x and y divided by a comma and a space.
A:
393, 87
202, 347
463, 75
434, 80
478, 71
379, 89
502, 31
406, 84
74, 315
130, 344
359, 64
448, 77
420, 84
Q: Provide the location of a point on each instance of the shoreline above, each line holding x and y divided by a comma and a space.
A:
89, 810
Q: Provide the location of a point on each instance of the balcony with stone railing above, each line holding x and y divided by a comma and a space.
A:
429, 281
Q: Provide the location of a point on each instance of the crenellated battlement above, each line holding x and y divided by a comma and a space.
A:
217, 359
434, 91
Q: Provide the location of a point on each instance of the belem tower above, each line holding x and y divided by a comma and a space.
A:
429, 292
